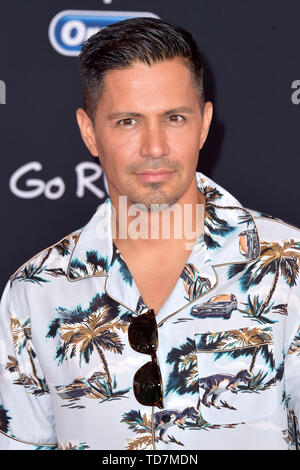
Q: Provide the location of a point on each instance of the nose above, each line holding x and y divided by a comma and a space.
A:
154, 141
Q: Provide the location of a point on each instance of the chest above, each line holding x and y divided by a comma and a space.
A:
156, 281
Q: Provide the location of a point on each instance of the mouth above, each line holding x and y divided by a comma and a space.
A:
153, 176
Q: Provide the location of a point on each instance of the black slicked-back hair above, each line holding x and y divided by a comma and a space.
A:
146, 40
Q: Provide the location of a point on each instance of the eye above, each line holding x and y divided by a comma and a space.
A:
176, 116
125, 122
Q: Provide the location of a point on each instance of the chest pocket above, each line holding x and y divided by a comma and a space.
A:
236, 375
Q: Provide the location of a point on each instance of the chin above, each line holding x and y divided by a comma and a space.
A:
161, 202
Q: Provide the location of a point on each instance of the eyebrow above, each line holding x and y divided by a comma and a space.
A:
181, 109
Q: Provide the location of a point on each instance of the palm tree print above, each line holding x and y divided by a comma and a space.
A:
282, 260
123, 268
245, 218
244, 342
184, 376
213, 224
63, 247
246, 337
94, 263
253, 307
232, 339
295, 346
21, 335
82, 332
293, 430
95, 387
4, 419
141, 425
275, 259
34, 273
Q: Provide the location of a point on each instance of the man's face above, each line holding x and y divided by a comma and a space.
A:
148, 131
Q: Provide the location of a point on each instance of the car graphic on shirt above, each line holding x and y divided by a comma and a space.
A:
219, 306
248, 243
194, 284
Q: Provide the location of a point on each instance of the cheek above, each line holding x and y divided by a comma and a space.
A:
186, 153
122, 144
185, 141
115, 161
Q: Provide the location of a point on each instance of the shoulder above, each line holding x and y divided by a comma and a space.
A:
48, 263
274, 229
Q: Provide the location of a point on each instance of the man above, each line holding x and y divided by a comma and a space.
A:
131, 333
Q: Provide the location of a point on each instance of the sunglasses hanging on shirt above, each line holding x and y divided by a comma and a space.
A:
143, 338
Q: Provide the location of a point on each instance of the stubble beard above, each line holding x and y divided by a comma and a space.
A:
152, 196
154, 199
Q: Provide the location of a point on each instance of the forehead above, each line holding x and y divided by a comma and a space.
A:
166, 81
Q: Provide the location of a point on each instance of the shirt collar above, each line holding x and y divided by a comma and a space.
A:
230, 236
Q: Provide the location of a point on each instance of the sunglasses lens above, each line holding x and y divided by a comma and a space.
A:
142, 333
147, 385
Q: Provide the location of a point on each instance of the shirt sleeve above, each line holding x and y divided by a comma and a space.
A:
26, 414
292, 370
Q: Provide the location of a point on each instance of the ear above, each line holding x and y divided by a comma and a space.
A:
206, 120
87, 131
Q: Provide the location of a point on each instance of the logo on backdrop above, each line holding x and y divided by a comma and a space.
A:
296, 94
2, 92
70, 28
29, 188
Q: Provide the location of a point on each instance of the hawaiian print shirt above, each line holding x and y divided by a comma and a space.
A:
229, 341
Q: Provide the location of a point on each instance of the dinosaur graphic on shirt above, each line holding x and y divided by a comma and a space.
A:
214, 385
167, 418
